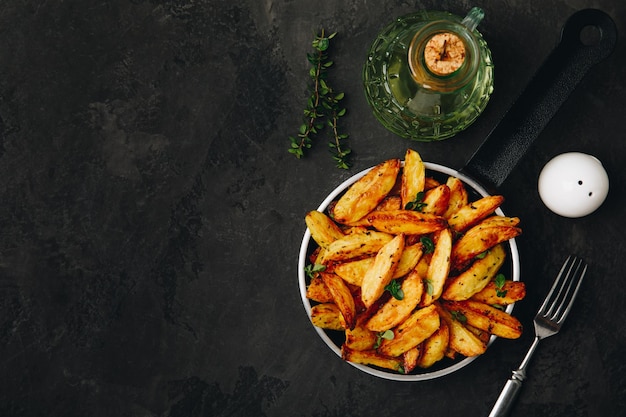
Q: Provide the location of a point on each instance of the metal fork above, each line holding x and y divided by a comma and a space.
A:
547, 322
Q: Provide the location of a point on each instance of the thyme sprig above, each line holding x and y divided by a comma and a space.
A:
323, 102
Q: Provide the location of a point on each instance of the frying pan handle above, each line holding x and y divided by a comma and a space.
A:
549, 88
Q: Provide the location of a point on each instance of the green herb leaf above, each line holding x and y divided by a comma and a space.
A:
428, 244
417, 204
387, 334
395, 289
430, 289
499, 281
312, 269
323, 44
458, 316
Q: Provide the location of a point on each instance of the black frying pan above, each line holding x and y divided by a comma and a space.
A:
547, 91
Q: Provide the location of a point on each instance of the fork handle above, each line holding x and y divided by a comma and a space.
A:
512, 387
509, 393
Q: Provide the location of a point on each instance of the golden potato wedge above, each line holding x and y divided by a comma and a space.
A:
318, 291
430, 183
410, 257
472, 213
458, 196
481, 334
439, 267
371, 357
391, 202
413, 177
509, 293
354, 245
420, 325
462, 340
327, 316
434, 348
366, 193
422, 266
405, 221
436, 200
381, 273
353, 271
395, 311
476, 277
499, 221
360, 338
487, 318
410, 358
323, 229
342, 297
477, 240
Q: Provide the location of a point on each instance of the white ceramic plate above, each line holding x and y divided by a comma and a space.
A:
334, 339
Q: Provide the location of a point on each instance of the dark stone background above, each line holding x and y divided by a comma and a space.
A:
151, 217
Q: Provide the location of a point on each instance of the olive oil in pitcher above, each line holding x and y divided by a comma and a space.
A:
429, 75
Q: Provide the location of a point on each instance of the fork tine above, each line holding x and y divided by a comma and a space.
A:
566, 305
549, 301
563, 283
559, 300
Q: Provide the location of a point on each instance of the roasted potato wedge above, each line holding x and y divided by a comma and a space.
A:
353, 271
410, 257
407, 222
360, 338
509, 293
414, 330
476, 277
327, 316
430, 183
500, 221
342, 297
395, 311
366, 193
462, 340
486, 317
391, 202
472, 213
323, 229
436, 200
413, 177
381, 273
410, 358
434, 348
318, 291
371, 357
458, 196
477, 240
354, 245
439, 267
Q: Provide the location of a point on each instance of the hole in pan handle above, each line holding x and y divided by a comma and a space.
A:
557, 77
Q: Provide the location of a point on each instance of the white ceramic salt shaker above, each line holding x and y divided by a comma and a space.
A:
573, 184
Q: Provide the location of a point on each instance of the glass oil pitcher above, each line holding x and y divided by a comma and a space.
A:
429, 75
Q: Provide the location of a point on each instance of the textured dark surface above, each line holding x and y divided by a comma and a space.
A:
151, 217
